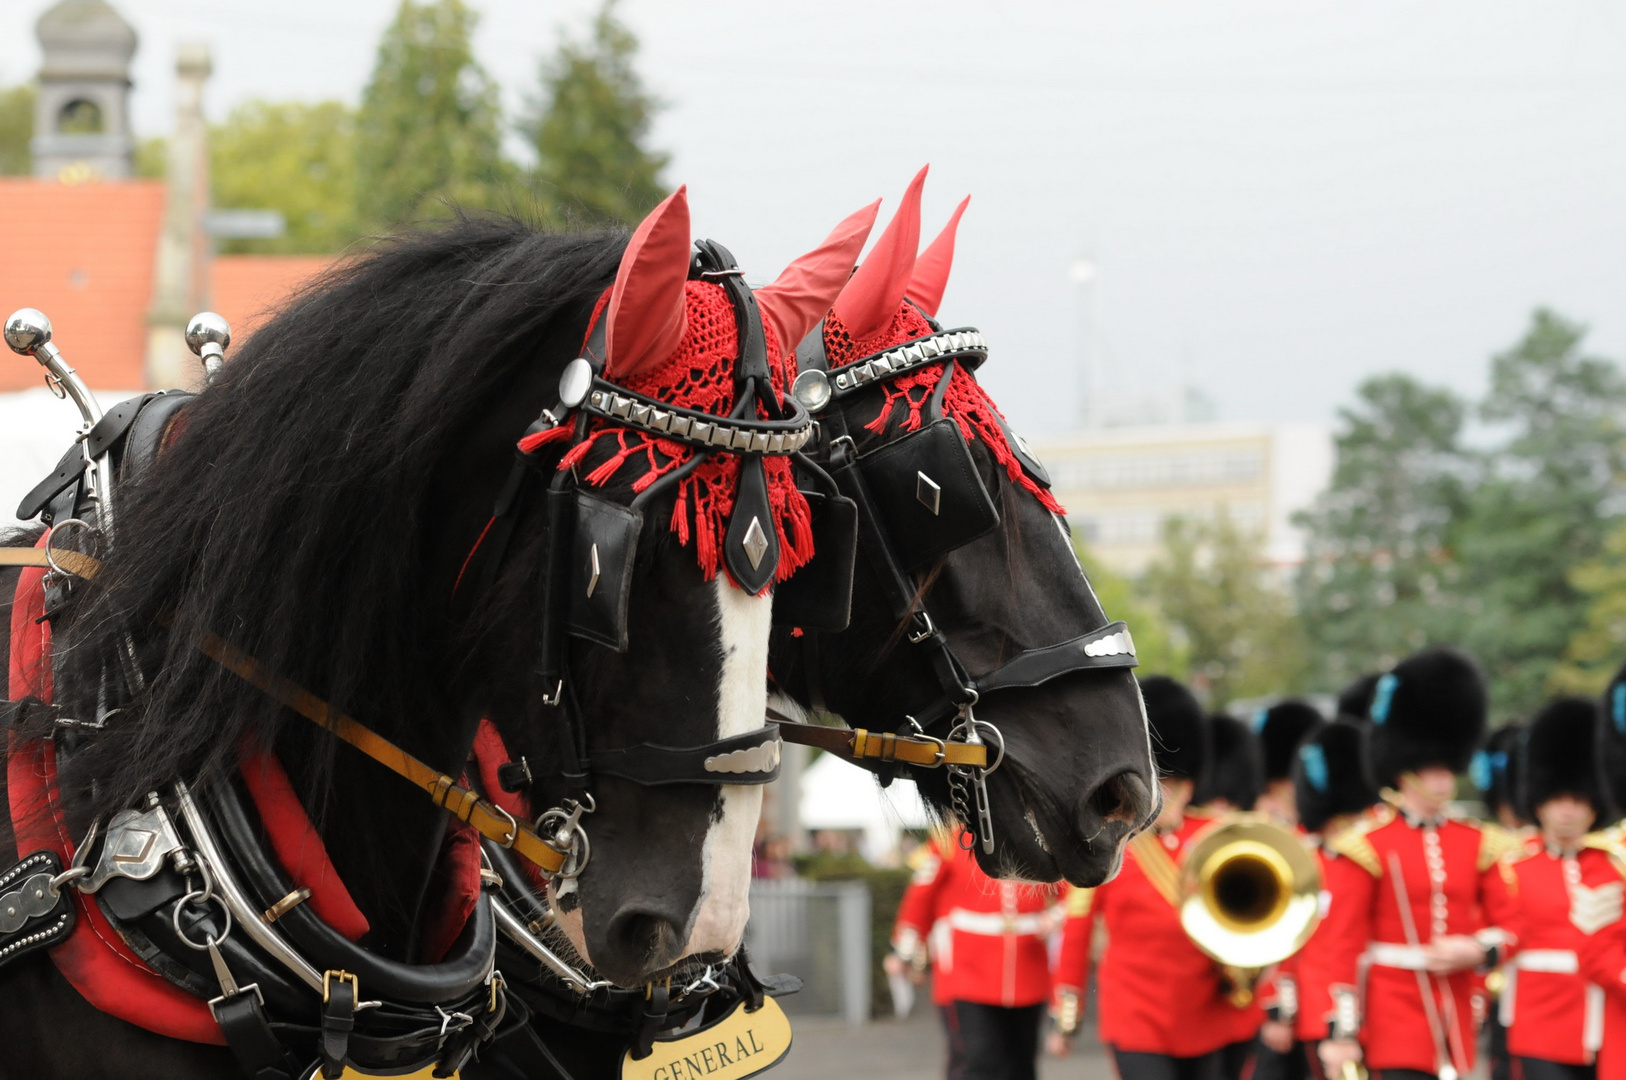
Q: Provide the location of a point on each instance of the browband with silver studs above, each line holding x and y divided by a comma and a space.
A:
965, 344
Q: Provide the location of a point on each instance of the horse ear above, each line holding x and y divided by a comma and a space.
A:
932, 268
872, 297
646, 311
799, 297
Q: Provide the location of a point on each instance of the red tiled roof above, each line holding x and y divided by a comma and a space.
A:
244, 289
83, 254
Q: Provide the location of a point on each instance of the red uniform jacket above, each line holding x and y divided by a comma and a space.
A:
988, 938
1552, 1011
1158, 993
1364, 941
1603, 963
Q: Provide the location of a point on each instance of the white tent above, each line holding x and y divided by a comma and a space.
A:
836, 795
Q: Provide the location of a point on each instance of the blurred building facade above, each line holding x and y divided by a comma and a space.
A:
1121, 484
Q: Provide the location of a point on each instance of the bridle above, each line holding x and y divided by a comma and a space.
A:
929, 476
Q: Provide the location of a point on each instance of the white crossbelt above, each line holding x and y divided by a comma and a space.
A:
995, 924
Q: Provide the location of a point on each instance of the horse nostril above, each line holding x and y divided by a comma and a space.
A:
640, 942
1123, 800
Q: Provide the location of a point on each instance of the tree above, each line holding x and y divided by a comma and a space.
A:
428, 132
293, 157
589, 128
16, 130
1213, 586
1597, 649
1380, 572
1545, 505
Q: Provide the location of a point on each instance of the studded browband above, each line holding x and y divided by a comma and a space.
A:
967, 345
704, 430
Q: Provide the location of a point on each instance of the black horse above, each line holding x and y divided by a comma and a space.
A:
1076, 778
325, 506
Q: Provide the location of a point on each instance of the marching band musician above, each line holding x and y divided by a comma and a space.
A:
1165, 1012
1600, 914
1495, 772
1281, 728
1408, 889
987, 941
1334, 789
1236, 772
1553, 1015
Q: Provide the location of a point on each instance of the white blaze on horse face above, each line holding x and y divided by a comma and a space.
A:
744, 623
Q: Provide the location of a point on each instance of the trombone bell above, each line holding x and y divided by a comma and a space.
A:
1251, 894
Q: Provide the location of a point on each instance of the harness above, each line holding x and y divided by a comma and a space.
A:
183, 890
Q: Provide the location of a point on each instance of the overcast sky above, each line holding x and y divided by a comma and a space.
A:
1279, 197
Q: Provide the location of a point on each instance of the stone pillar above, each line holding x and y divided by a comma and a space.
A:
180, 287
82, 114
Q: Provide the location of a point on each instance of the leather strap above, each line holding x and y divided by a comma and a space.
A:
74, 562
1108, 647
339, 1001
857, 745
484, 816
249, 1036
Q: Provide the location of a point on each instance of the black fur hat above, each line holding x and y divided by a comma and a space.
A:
1280, 728
1237, 771
1355, 700
1496, 769
1429, 710
1559, 759
1180, 738
1332, 773
1612, 741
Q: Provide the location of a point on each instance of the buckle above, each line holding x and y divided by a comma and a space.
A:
215, 1003
328, 978
927, 627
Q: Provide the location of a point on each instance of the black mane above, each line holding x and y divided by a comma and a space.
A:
307, 509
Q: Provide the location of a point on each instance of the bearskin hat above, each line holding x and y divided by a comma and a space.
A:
1236, 772
1429, 710
1355, 700
1180, 738
1280, 728
1559, 759
1612, 741
1495, 770
1332, 773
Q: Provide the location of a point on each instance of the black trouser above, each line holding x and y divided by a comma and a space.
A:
1225, 1063
1526, 1068
1402, 1074
1270, 1065
1501, 1065
991, 1042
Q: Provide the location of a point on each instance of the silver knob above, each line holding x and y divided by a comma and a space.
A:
28, 331
208, 335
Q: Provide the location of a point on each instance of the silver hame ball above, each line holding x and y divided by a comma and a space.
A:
27, 330
207, 328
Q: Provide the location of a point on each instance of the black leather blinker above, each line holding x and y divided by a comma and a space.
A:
819, 596
928, 493
601, 562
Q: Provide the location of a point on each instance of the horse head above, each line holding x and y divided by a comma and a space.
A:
969, 602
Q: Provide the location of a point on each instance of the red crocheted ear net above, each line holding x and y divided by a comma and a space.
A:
966, 402
700, 375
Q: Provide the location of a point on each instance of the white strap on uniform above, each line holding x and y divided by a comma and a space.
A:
994, 924
1552, 961
1390, 954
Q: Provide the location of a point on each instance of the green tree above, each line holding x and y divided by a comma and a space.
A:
1214, 587
293, 157
1545, 505
428, 132
1597, 649
589, 126
1380, 573
16, 130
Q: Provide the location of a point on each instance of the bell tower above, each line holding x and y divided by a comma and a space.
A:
82, 118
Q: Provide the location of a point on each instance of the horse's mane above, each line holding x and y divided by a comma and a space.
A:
294, 510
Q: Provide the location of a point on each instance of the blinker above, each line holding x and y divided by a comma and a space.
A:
928, 493
602, 555
819, 595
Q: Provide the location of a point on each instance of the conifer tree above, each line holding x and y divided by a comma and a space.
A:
589, 128
428, 132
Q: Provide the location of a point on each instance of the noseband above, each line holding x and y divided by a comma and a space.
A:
919, 497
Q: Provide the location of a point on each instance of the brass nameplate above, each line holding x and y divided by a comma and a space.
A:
737, 1045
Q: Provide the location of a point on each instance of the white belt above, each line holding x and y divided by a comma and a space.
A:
1390, 955
995, 924
1556, 961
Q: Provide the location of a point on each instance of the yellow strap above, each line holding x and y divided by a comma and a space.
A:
488, 819
75, 563
1158, 866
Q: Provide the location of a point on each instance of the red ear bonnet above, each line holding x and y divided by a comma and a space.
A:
646, 313
932, 268
871, 298
799, 297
